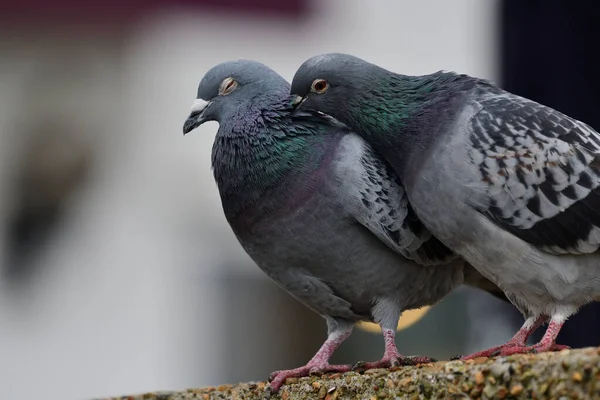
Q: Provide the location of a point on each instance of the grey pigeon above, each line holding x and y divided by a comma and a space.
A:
319, 212
509, 184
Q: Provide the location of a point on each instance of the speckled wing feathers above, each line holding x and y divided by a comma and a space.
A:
388, 214
543, 171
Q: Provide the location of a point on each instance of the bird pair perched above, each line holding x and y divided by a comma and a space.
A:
364, 193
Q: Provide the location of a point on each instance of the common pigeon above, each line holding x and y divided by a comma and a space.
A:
320, 213
509, 184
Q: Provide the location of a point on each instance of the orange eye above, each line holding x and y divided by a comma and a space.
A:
319, 85
227, 86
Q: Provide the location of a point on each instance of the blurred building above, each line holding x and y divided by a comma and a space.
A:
138, 283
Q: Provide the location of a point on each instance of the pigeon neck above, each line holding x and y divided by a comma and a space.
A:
256, 168
386, 114
401, 119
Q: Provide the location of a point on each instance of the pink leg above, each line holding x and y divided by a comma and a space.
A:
518, 340
391, 356
319, 364
548, 342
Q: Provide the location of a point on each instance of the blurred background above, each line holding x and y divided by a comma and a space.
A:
119, 273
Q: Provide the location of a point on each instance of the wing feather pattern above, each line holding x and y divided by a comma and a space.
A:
542, 169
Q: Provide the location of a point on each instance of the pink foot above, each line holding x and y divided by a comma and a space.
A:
392, 361
536, 348
518, 340
510, 349
492, 352
278, 378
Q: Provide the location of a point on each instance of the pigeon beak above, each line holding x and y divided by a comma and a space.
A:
298, 100
196, 117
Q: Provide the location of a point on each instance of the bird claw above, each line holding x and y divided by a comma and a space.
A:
359, 366
492, 352
278, 378
509, 350
534, 349
389, 362
273, 375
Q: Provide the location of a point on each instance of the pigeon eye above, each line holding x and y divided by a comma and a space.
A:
227, 86
319, 86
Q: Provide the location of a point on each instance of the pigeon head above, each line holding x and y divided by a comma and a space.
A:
326, 83
230, 86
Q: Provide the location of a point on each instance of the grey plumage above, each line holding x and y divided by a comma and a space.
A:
319, 211
507, 183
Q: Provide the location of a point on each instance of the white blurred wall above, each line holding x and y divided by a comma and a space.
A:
117, 311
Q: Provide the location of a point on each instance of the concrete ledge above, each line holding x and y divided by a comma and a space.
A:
569, 374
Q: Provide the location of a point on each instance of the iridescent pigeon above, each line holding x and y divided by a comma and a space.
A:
509, 184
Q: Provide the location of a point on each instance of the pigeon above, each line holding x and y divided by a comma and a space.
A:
509, 184
320, 213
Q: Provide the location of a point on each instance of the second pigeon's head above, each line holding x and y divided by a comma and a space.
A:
230, 87
329, 82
